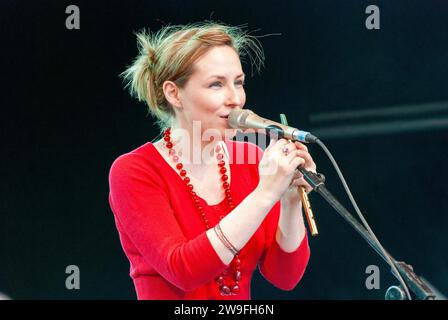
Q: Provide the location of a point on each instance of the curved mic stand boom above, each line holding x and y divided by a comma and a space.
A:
317, 181
415, 284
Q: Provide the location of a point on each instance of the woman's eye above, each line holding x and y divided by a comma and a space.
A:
220, 84
216, 84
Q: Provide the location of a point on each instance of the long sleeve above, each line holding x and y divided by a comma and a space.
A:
284, 270
140, 203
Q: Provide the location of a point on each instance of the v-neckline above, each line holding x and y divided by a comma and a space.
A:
231, 176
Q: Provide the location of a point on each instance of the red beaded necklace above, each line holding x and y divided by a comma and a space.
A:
226, 288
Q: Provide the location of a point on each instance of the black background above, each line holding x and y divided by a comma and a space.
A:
65, 118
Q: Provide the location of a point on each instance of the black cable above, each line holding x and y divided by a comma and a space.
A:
364, 222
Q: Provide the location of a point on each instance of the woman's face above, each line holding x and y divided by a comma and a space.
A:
213, 90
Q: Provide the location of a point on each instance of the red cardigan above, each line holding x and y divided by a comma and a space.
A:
163, 234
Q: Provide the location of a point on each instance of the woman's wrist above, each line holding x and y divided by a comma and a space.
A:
291, 198
264, 197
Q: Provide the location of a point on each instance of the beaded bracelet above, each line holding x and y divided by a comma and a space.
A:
224, 239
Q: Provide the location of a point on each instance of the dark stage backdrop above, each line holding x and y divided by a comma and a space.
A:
378, 98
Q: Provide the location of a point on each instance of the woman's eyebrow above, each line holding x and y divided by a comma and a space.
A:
222, 77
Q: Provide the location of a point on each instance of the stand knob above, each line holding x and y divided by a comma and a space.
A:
395, 293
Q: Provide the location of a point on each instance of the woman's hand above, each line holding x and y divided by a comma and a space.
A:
291, 195
277, 168
279, 179
291, 226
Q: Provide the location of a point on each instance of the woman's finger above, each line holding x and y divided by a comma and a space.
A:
304, 154
309, 162
298, 174
302, 182
271, 144
300, 146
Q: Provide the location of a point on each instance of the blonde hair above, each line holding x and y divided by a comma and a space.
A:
169, 55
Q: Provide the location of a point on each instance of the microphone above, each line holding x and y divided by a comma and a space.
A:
247, 119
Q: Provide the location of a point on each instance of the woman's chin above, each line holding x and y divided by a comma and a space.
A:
229, 133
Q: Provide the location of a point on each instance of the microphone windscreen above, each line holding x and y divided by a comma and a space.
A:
237, 118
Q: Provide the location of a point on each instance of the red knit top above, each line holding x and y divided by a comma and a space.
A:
164, 236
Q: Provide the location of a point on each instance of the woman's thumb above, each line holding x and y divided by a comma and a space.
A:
271, 143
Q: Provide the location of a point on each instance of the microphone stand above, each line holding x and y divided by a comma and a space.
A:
419, 289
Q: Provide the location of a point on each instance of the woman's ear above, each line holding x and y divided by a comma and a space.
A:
171, 92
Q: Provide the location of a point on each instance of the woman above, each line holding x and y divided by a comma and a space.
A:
193, 228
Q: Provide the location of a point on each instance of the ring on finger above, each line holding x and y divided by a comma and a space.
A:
285, 150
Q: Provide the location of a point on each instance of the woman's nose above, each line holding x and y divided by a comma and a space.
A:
233, 97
